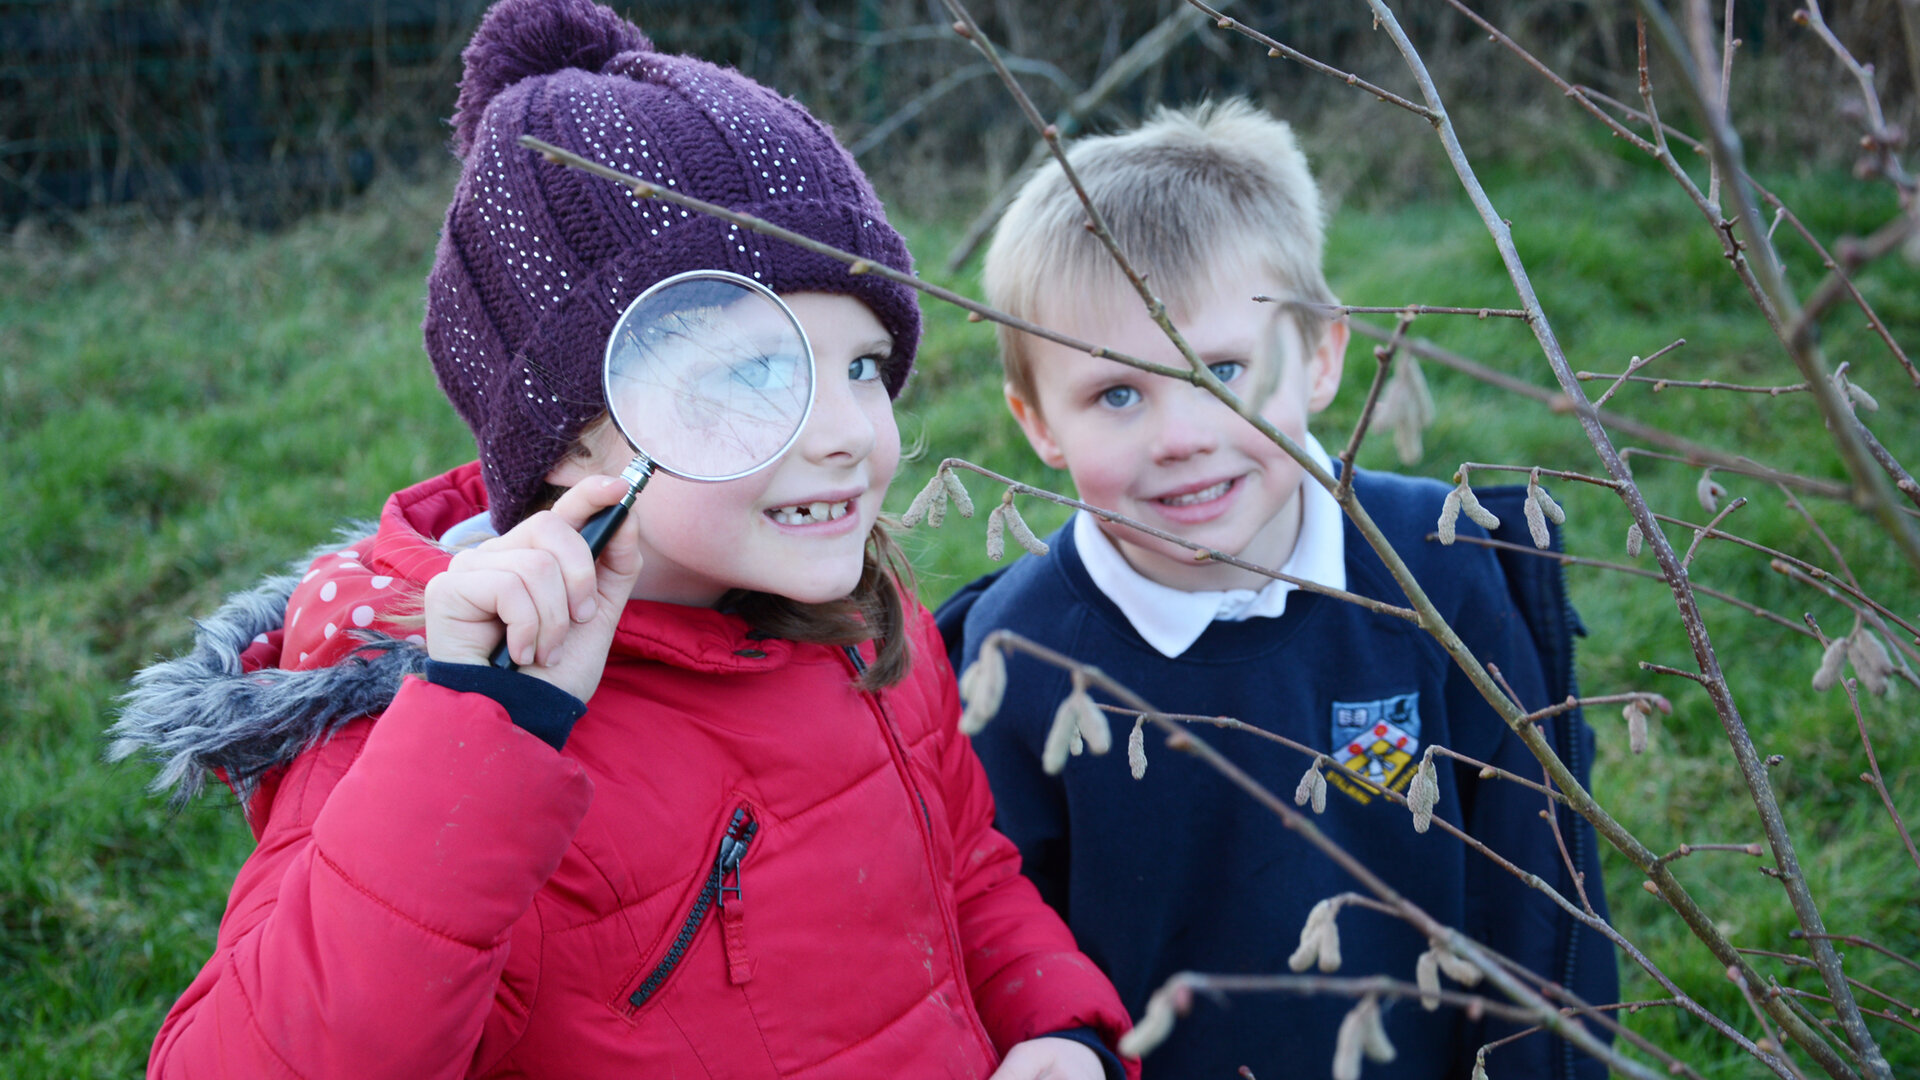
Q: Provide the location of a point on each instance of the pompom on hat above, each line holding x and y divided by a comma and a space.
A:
536, 260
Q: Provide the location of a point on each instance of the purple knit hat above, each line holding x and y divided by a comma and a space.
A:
536, 260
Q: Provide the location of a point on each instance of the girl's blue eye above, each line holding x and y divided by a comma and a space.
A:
1227, 370
1119, 397
865, 369
775, 372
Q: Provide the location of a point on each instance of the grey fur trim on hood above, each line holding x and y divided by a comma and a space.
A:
200, 712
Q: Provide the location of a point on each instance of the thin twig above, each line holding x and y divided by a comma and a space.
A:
1875, 490
1842, 274
1876, 135
1810, 570
1573, 703
1854, 939
1637, 571
855, 263
969, 28
1795, 960
1383, 354
1228, 723
1535, 470
1662, 669
1873, 776
1684, 850
1826, 1000
1277, 50
1660, 384
1753, 1006
1681, 449
1200, 551
1710, 528
1633, 364
1183, 738
1835, 590
1403, 309
1574, 873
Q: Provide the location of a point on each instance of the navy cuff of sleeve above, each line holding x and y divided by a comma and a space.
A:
539, 708
1090, 1039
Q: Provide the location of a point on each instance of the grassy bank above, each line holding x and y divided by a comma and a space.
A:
184, 412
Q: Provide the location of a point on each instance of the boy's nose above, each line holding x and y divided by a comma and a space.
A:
1190, 423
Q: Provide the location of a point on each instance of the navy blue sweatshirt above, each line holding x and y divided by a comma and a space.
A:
1180, 871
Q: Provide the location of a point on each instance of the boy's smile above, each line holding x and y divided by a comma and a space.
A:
1169, 454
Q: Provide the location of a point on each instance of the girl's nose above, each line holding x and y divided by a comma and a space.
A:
1190, 423
838, 431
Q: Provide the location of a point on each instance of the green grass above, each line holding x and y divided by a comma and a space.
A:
183, 413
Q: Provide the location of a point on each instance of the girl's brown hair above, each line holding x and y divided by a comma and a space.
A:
875, 609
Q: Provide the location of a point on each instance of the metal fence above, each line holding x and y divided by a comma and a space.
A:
261, 108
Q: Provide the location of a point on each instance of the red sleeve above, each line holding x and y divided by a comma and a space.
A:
366, 934
1027, 976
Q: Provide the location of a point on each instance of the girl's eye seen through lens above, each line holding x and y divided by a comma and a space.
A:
775, 372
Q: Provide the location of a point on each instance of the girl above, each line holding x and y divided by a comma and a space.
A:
720, 821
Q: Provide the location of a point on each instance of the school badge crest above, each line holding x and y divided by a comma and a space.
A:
1377, 739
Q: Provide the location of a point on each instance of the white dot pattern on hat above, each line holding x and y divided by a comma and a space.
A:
523, 232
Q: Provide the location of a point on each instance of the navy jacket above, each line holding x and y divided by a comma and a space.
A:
1180, 871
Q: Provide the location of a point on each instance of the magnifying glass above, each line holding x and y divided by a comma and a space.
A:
709, 376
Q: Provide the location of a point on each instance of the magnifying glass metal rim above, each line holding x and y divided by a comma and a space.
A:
606, 369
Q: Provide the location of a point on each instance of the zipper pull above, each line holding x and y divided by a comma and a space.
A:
733, 916
733, 848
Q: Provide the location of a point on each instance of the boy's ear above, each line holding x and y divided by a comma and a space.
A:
1038, 434
1324, 367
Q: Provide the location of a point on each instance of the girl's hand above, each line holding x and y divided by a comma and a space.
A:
1050, 1059
558, 604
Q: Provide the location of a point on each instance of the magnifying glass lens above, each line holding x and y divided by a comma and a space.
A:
709, 376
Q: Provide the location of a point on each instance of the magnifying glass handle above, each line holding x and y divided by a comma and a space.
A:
597, 531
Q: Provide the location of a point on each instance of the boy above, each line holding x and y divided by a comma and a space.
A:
1178, 870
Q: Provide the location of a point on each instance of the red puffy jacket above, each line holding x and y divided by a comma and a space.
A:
740, 866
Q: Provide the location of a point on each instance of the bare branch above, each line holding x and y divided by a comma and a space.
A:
1383, 354
1277, 50
1200, 551
1684, 450
1634, 364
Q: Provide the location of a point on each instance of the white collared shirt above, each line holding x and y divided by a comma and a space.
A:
1171, 620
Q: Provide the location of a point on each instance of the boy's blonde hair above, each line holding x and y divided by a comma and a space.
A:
1192, 196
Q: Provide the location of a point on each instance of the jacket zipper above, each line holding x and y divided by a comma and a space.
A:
726, 865
949, 917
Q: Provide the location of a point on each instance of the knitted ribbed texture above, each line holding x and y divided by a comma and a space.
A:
536, 260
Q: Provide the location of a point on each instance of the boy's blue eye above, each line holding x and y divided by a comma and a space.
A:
1119, 397
865, 369
1227, 370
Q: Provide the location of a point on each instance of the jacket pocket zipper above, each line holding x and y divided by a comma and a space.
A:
726, 864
